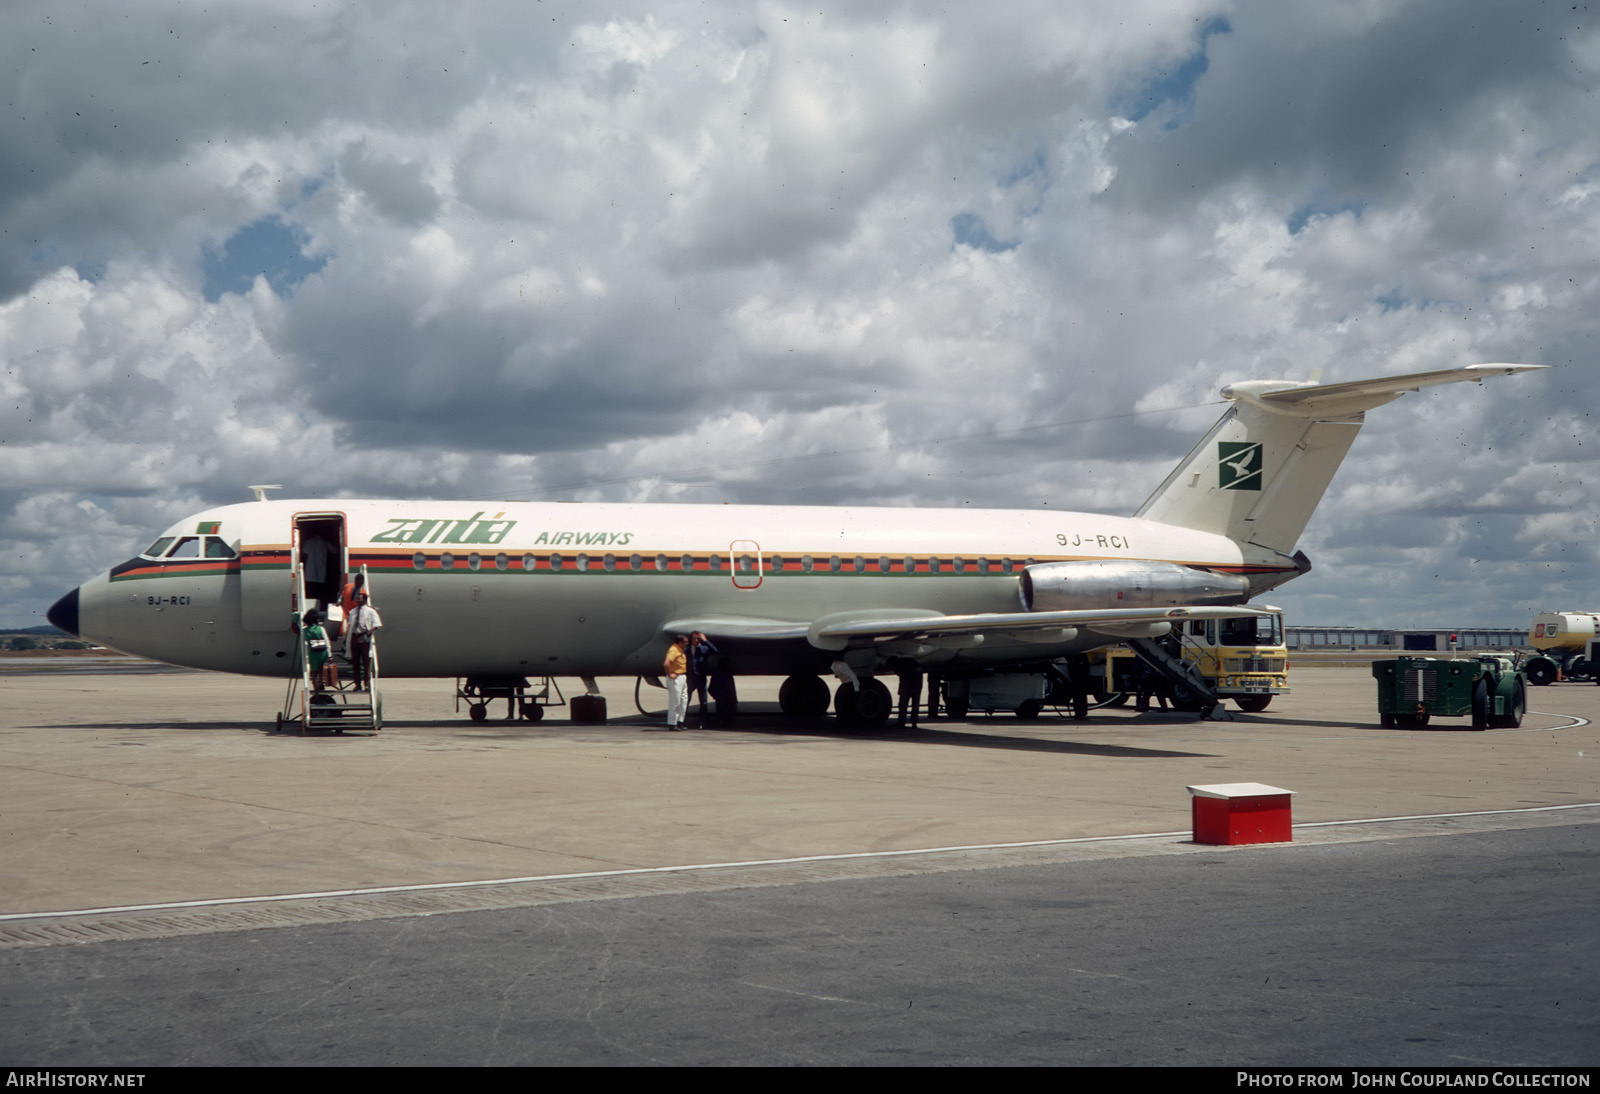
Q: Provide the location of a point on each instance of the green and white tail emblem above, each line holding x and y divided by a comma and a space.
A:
1239, 465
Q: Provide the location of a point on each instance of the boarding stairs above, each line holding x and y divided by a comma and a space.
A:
325, 709
1189, 689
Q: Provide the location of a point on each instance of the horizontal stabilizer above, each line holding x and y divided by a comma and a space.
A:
1343, 400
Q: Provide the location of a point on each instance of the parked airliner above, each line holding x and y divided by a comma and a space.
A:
507, 590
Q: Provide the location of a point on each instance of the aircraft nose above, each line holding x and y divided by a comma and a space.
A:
63, 614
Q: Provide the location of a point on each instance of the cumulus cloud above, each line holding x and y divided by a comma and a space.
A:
875, 255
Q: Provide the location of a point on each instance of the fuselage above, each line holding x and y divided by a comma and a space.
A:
587, 589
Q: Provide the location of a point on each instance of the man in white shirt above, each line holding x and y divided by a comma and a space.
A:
362, 622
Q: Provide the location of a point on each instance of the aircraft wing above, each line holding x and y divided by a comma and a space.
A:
843, 629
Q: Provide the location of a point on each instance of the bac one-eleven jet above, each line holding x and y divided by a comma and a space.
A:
500, 592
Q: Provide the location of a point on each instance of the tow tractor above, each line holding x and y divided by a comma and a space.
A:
1412, 690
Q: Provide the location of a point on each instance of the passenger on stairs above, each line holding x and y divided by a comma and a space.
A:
324, 673
359, 625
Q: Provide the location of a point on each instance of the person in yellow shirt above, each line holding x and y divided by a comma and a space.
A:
676, 667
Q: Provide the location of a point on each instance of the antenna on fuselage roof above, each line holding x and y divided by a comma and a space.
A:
261, 491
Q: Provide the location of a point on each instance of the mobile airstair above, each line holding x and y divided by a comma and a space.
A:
1189, 689
322, 709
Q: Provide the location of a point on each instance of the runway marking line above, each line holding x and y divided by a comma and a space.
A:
219, 902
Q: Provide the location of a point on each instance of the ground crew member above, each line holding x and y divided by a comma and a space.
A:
676, 668
699, 654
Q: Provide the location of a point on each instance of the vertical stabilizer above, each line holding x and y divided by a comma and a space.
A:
1259, 474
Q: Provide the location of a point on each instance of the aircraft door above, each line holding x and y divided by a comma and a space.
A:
320, 547
744, 560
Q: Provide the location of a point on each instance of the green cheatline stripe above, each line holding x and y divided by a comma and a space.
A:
158, 575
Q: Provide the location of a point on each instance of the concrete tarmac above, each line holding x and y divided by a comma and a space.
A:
121, 791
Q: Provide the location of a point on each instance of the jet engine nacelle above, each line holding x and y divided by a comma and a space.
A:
1112, 583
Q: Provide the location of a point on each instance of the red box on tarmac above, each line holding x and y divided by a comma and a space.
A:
1234, 813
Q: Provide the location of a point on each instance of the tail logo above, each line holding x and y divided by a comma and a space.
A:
1239, 465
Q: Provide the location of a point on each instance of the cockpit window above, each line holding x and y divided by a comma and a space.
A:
188, 547
218, 548
159, 547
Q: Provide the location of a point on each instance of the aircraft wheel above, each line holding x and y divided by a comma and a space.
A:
844, 703
873, 704
478, 712
803, 696
277, 722
1253, 704
956, 709
1080, 707
1481, 705
532, 712
1030, 709
1387, 720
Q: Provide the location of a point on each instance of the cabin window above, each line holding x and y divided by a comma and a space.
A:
159, 547
529, 562
983, 565
715, 562
806, 563
1005, 564
960, 565
556, 561
860, 564
661, 563
583, 562
474, 561
419, 561
933, 565
686, 563
775, 565
636, 562
447, 561
884, 564
502, 561
911, 565
834, 563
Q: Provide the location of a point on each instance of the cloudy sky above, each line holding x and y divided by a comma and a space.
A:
998, 255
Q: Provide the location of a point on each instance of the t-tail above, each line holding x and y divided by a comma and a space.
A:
1259, 474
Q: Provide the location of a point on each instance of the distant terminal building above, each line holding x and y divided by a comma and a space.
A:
1432, 638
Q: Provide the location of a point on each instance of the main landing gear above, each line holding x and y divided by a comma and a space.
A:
869, 707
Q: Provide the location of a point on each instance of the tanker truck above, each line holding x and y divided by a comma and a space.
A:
1568, 645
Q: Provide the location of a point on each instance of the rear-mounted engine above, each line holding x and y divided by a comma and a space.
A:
1111, 583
